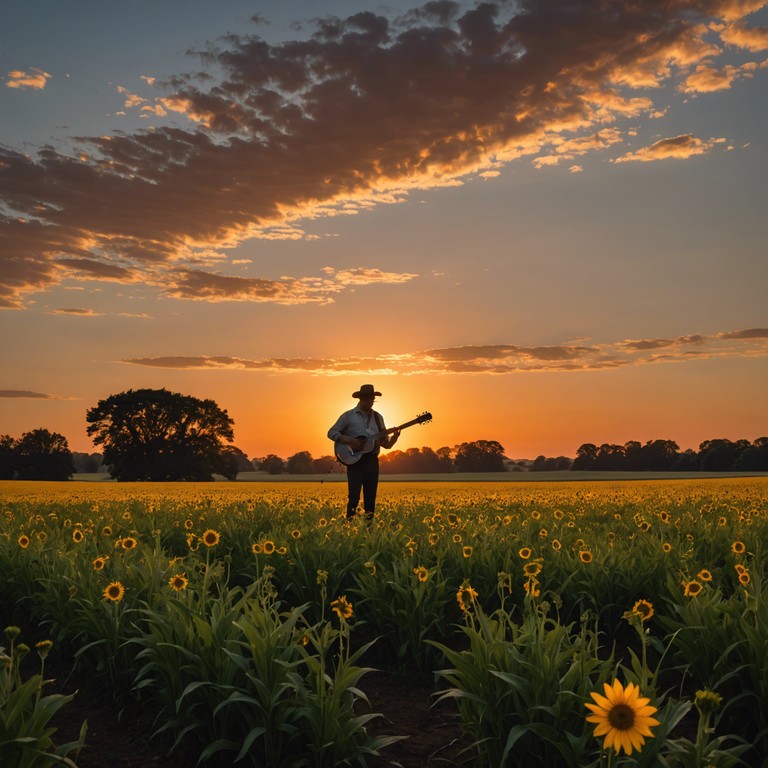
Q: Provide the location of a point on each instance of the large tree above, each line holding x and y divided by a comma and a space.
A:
154, 434
43, 455
480, 456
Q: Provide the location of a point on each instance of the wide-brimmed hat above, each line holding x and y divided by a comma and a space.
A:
366, 390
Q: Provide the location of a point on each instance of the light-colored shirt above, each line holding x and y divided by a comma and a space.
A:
357, 423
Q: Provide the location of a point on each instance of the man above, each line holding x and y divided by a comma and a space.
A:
350, 427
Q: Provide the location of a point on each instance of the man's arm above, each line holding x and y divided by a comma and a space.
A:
387, 441
336, 431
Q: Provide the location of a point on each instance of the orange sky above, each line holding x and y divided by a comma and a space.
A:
544, 230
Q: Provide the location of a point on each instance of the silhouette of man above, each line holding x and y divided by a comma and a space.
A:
360, 429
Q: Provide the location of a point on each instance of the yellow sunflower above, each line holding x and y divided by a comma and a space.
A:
585, 556
524, 553
211, 538
23, 541
532, 569
466, 595
433, 538
744, 578
692, 588
666, 547
342, 607
268, 546
738, 548
467, 551
77, 535
178, 582
100, 562
622, 716
128, 543
114, 591
556, 545
704, 575
296, 533
421, 573
531, 587
644, 609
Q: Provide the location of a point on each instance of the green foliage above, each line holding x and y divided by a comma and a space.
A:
520, 688
26, 735
222, 667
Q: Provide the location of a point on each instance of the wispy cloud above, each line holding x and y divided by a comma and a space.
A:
361, 111
496, 358
677, 147
77, 311
25, 393
35, 78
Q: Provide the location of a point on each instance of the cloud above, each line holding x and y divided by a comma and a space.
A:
36, 79
207, 286
749, 333
367, 276
749, 38
360, 111
78, 312
677, 147
495, 359
24, 393
706, 78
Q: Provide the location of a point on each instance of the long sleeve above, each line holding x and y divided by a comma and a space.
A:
335, 432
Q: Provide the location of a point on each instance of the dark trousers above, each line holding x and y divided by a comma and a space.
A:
363, 475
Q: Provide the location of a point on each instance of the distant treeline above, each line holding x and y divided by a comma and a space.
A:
475, 456
718, 455
44, 455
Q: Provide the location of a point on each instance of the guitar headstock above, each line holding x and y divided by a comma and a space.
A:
423, 418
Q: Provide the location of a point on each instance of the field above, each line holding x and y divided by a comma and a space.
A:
240, 621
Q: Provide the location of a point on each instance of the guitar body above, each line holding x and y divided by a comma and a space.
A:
347, 455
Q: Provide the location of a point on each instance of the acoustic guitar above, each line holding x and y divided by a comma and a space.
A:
346, 454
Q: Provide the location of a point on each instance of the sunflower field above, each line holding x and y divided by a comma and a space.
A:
571, 624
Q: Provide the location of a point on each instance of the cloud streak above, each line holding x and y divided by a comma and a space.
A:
35, 78
26, 394
496, 358
678, 147
363, 110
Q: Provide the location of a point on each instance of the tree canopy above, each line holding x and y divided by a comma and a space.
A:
38, 455
154, 434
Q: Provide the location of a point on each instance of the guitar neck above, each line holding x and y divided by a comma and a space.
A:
402, 426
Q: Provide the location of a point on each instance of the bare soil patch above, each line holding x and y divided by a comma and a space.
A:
431, 730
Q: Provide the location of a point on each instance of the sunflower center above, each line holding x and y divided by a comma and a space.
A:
621, 717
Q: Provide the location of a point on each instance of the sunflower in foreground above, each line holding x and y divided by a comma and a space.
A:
178, 582
342, 607
643, 609
622, 716
466, 595
211, 538
422, 574
691, 588
114, 591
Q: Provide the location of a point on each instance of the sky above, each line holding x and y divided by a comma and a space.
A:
542, 222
